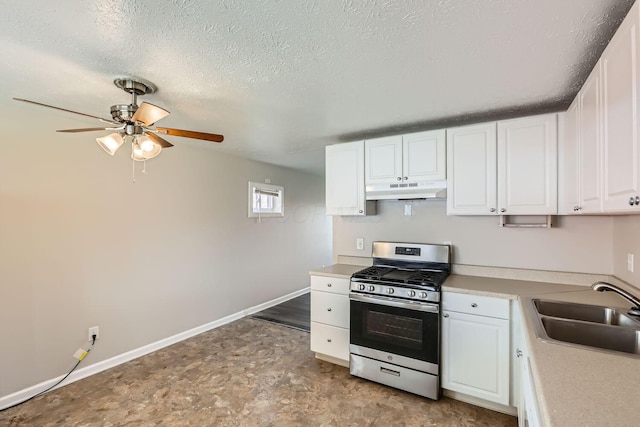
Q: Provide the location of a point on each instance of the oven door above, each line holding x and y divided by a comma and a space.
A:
402, 332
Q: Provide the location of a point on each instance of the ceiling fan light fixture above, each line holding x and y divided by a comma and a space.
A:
110, 143
143, 148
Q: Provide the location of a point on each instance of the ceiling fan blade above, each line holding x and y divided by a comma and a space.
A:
82, 130
191, 134
148, 114
66, 111
161, 141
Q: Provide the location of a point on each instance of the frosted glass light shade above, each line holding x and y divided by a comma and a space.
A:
149, 149
110, 143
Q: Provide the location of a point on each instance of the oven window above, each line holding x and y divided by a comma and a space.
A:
401, 330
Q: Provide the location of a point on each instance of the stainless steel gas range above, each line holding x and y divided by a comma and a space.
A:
395, 316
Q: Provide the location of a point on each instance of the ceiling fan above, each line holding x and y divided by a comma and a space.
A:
134, 122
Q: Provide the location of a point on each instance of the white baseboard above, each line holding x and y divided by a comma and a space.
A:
20, 395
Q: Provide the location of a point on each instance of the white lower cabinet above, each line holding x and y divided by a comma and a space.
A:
475, 346
330, 318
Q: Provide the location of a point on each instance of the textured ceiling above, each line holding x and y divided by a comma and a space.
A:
283, 78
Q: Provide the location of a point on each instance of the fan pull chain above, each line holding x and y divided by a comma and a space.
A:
133, 170
144, 166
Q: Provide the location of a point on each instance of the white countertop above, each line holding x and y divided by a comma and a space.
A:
576, 386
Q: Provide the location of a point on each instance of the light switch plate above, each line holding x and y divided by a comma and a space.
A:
360, 243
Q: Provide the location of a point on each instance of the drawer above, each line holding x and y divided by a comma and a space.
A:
476, 304
331, 309
330, 284
330, 340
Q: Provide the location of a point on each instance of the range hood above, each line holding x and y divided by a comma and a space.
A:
407, 190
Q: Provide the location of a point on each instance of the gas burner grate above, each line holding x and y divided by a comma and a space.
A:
426, 278
373, 272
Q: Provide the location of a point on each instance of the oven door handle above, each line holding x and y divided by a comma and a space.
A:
394, 302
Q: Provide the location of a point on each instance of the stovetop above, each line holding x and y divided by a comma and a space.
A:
410, 271
399, 276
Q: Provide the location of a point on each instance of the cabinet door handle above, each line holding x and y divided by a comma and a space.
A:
405, 178
445, 315
503, 210
328, 339
328, 285
329, 309
399, 179
518, 353
632, 201
637, 200
360, 211
492, 210
474, 305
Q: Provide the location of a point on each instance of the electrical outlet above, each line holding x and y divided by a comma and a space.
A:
94, 331
407, 210
630, 262
360, 243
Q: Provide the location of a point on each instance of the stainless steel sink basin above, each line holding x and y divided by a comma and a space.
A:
584, 312
625, 340
590, 326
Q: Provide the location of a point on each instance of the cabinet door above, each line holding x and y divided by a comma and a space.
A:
383, 160
590, 143
528, 166
620, 97
471, 170
424, 156
475, 356
345, 179
568, 161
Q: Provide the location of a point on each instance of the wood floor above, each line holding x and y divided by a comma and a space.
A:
246, 373
294, 313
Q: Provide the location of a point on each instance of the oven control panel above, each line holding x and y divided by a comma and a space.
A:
395, 291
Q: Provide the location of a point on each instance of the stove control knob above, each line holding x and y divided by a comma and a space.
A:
423, 294
361, 287
390, 291
372, 288
412, 294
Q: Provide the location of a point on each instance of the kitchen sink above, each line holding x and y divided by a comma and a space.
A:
584, 312
595, 327
605, 337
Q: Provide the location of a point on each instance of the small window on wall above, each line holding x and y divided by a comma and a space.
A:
265, 200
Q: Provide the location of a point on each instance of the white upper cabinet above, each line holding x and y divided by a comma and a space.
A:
424, 156
383, 158
406, 166
568, 161
406, 158
606, 112
471, 170
503, 168
344, 170
620, 98
590, 123
527, 166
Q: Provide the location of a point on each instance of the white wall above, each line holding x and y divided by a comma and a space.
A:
578, 244
626, 232
81, 245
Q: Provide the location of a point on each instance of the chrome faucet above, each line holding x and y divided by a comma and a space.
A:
604, 286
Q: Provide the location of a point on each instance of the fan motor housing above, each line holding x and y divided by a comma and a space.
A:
123, 112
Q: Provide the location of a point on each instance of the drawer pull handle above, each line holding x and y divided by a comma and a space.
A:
329, 285
474, 305
328, 339
389, 371
445, 315
329, 309
518, 353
